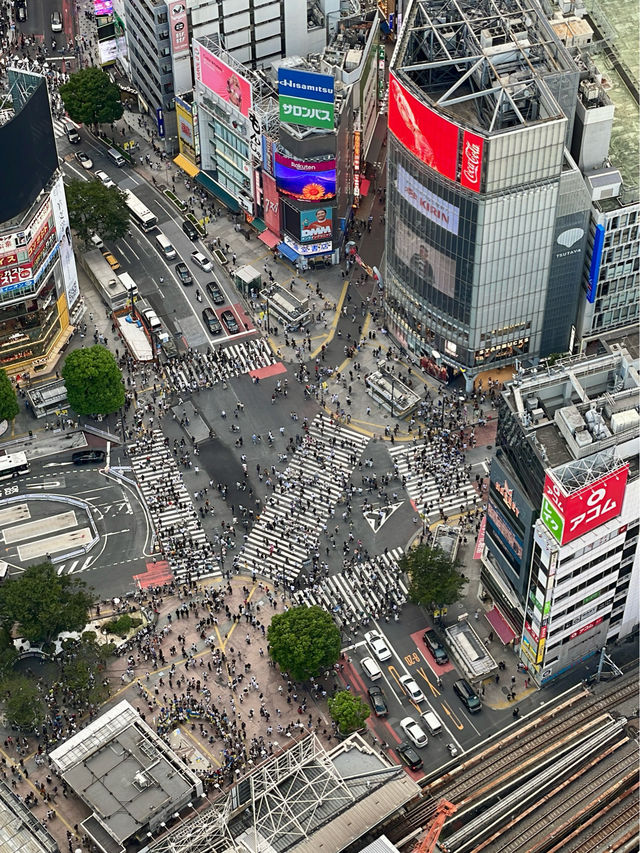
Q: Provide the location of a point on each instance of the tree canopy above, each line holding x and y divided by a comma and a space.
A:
24, 706
9, 407
94, 208
304, 641
348, 711
91, 98
93, 381
41, 603
434, 578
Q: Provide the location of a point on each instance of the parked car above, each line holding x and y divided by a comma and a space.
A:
183, 273
378, 701
85, 161
104, 179
215, 293
201, 261
408, 754
434, 644
468, 695
56, 22
411, 688
190, 229
230, 322
378, 645
88, 457
413, 731
72, 132
213, 324
113, 262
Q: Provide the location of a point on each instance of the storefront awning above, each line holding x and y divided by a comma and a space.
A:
269, 238
258, 224
500, 626
288, 252
364, 187
186, 165
218, 191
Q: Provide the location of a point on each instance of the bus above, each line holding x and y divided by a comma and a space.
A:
140, 214
13, 464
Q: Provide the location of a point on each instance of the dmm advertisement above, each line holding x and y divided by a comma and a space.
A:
316, 224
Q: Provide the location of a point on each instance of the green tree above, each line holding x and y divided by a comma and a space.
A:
348, 711
41, 603
82, 669
24, 706
91, 98
304, 641
9, 407
93, 381
94, 208
8, 652
434, 578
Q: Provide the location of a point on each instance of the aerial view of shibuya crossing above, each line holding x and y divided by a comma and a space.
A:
319, 426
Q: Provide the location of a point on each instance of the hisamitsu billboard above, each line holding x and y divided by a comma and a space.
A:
306, 98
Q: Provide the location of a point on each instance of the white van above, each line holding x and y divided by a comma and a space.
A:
96, 239
432, 722
116, 157
165, 247
371, 669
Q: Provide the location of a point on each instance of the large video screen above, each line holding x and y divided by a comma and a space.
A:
27, 154
313, 183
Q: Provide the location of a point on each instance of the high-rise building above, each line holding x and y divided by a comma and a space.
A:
487, 212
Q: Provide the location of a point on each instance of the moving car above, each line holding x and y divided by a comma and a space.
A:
230, 322
201, 261
434, 644
378, 701
213, 324
56, 22
72, 132
215, 293
21, 10
411, 688
183, 273
432, 722
84, 160
190, 229
378, 645
88, 457
413, 731
408, 754
468, 695
104, 178
113, 262
371, 668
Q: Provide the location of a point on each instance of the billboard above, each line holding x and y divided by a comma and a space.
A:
429, 204
596, 261
219, 78
306, 98
471, 171
429, 266
305, 181
316, 224
177, 13
102, 7
61, 218
432, 139
108, 51
569, 516
271, 204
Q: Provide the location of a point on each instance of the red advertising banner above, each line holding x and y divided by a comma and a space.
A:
585, 628
471, 161
271, 202
477, 551
425, 133
305, 165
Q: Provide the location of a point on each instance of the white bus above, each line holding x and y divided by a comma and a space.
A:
13, 464
140, 214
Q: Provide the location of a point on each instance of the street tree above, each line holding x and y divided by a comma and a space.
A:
82, 665
39, 604
24, 706
435, 579
91, 98
93, 381
96, 209
9, 407
304, 641
348, 711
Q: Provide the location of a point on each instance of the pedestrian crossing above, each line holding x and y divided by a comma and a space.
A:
372, 589
58, 128
433, 483
206, 369
177, 526
74, 566
284, 540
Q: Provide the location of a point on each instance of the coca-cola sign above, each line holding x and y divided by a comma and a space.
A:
471, 172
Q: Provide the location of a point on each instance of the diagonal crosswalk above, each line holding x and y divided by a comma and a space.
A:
204, 370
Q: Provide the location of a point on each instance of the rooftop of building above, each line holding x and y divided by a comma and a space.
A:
20, 830
482, 62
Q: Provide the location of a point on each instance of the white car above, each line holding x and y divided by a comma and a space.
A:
413, 731
85, 161
104, 178
56, 22
411, 688
200, 261
380, 648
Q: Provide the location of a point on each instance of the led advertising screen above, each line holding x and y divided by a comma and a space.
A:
425, 133
313, 182
216, 75
103, 7
316, 224
430, 267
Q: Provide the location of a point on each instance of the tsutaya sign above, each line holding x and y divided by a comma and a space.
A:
306, 98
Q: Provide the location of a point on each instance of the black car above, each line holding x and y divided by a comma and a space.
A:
213, 324
378, 701
433, 642
190, 229
88, 457
183, 273
215, 293
230, 322
408, 754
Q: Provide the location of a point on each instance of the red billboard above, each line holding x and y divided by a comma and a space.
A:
570, 516
179, 27
425, 133
271, 202
471, 171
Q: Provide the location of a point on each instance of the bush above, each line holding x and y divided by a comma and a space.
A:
122, 625
173, 198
